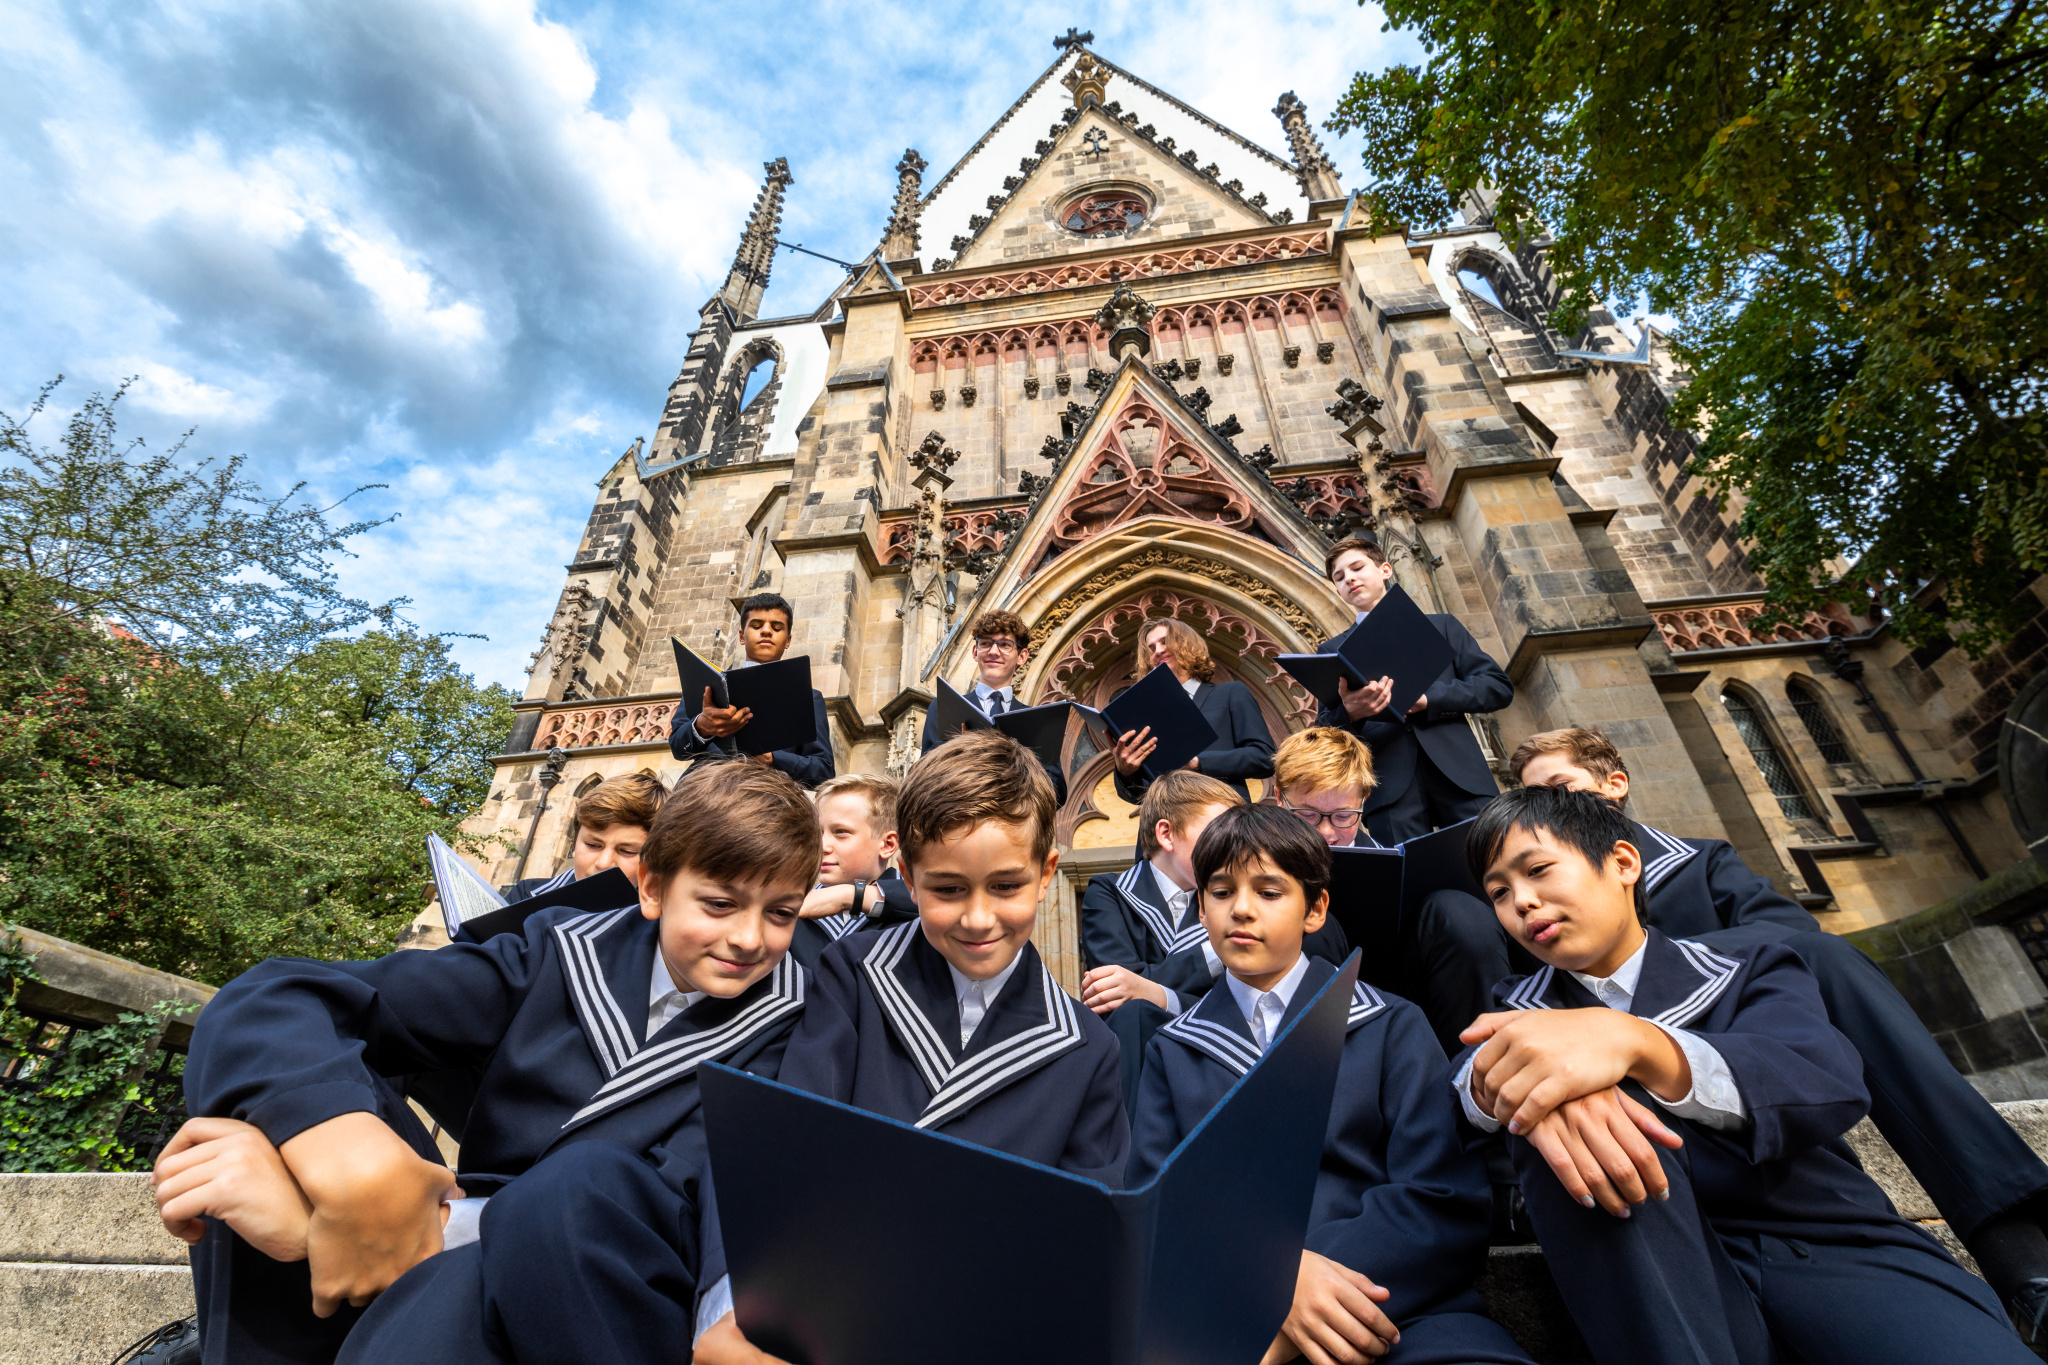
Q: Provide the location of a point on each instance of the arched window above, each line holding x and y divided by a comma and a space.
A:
1779, 775
1480, 285
757, 380
1813, 714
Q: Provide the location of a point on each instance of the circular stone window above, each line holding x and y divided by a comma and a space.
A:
1105, 211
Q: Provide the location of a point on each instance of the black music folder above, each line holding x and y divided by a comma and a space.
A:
1396, 640
473, 911
1199, 1264
1436, 862
1318, 675
1365, 900
1159, 700
954, 711
1041, 729
695, 673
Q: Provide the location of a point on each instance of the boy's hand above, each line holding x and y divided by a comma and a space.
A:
1335, 1318
227, 1169
1531, 1061
723, 1344
827, 900
377, 1208
1369, 700
1599, 1148
717, 722
1104, 988
1133, 749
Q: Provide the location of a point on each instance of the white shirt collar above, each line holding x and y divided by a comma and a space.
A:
1263, 1009
665, 999
1176, 898
1191, 684
982, 692
1360, 617
974, 997
1619, 990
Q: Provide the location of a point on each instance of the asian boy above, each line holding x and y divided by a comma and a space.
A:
1676, 1115
953, 1023
1986, 1181
571, 1231
1397, 1233
767, 624
611, 824
857, 889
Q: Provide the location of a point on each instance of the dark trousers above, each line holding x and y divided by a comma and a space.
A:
1430, 801
1454, 1339
1971, 1162
590, 1257
1665, 1287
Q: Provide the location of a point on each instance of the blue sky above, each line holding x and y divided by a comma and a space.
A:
456, 247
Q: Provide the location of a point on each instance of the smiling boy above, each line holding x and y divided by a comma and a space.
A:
953, 1023
309, 1192
1397, 1231
1677, 1115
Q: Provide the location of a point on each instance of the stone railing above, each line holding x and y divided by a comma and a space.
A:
1280, 246
1729, 625
596, 725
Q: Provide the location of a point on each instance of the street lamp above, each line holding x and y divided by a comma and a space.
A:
550, 773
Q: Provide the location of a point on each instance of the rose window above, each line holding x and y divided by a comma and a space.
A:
1095, 215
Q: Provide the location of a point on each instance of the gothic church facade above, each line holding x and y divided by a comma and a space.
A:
951, 432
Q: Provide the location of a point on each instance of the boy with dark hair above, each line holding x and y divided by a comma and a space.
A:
1397, 1233
308, 1190
766, 623
953, 1023
1002, 646
1731, 1222
610, 826
1986, 1181
1431, 771
857, 889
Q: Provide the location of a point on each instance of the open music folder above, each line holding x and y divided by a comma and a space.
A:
857, 1240
1160, 701
473, 911
1375, 893
1041, 729
1396, 640
779, 694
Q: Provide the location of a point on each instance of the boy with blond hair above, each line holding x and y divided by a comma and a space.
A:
857, 889
1986, 1181
310, 1193
1676, 1116
953, 1023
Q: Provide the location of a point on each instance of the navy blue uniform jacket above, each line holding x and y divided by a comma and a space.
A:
932, 739
1696, 887
554, 1017
1787, 1172
1474, 685
1398, 1198
1244, 746
814, 936
811, 765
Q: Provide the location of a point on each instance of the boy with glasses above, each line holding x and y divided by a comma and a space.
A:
1002, 645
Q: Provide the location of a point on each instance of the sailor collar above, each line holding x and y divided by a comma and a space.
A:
1680, 981
959, 1083
598, 949
1137, 886
1663, 854
1216, 1027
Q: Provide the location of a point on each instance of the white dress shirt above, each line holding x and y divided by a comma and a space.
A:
982, 693
1191, 684
665, 999
1713, 1102
1177, 902
975, 997
1263, 1009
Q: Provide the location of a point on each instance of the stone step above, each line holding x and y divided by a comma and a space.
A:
86, 1268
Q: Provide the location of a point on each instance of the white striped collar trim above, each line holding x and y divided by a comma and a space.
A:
612, 1035
959, 1085
1669, 854
1365, 1003
1529, 994
1236, 1052
554, 883
1718, 972
840, 923
1172, 939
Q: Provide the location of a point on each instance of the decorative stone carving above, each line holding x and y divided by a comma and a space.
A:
1143, 466
1087, 80
1193, 366
1225, 363
1728, 626
1063, 384
1127, 318
1096, 381
938, 400
1149, 265
1292, 355
1170, 371
968, 393
593, 727
900, 238
1312, 167
1326, 351
1353, 402
1234, 639
1093, 587
1031, 386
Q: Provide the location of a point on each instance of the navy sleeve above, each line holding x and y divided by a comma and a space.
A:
1099, 1145
683, 739
1248, 747
1800, 1079
1155, 1129
898, 905
1476, 685
1420, 1229
291, 1043
1106, 929
1741, 897
825, 1049
1185, 973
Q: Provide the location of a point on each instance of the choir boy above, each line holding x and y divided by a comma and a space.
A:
857, 889
1244, 746
952, 1022
610, 826
571, 1232
1676, 1114
1431, 770
1397, 1233
1002, 646
766, 620
1986, 1181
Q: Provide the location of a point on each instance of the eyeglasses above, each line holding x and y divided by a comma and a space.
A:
998, 646
1339, 819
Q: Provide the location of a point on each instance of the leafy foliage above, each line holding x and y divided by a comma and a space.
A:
197, 771
1846, 205
63, 1113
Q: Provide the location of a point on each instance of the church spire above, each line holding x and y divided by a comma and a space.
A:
899, 239
748, 279
1311, 165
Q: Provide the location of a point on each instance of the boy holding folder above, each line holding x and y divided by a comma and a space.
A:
766, 620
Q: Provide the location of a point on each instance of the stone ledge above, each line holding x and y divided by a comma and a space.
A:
85, 1314
86, 1219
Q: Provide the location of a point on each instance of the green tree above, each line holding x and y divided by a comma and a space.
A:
198, 768
1846, 205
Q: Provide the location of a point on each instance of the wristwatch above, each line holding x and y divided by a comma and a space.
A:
860, 892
